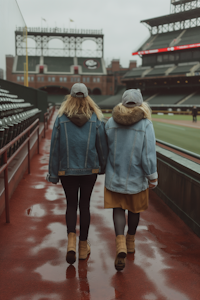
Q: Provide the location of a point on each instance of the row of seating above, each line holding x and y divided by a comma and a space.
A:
15, 116
174, 38
182, 68
164, 98
13, 125
3, 93
8, 100
10, 109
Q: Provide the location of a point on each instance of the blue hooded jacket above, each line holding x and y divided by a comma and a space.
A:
78, 147
132, 155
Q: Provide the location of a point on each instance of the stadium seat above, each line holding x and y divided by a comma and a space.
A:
159, 70
58, 64
137, 72
183, 68
170, 98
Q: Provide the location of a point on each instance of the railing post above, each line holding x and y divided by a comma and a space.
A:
38, 134
7, 206
29, 157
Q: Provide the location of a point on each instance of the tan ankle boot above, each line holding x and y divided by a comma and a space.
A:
121, 252
84, 249
130, 243
71, 248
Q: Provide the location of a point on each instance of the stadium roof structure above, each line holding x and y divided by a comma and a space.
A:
172, 18
178, 2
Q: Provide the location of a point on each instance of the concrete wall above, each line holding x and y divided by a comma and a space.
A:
179, 186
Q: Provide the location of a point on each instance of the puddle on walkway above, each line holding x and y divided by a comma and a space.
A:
35, 211
154, 266
31, 239
40, 185
56, 239
58, 211
54, 192
150, 296
46, 167
40, 296
52, 273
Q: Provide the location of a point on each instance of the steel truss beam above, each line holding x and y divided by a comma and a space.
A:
184, 6
175, 26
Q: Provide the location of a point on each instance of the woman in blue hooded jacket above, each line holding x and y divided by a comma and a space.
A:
78, 153
131, 168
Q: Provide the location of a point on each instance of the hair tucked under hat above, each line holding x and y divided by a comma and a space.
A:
71, 106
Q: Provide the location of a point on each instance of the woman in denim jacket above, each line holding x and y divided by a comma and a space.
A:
131, 168
78, 153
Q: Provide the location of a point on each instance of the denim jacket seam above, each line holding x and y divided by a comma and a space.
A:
53, 150
100, 144
74, 169
147, 151
114, 158
126, 128
130, 161
66, 121
88, 142
67, 145
97, 126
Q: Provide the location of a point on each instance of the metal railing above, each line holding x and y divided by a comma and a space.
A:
47, 117
195, 155
7, 161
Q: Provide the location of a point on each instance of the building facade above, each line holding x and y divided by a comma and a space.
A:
56, 70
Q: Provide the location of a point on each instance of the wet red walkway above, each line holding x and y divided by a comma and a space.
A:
166, 264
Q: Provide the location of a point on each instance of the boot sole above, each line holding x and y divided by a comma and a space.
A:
71, 257
120, 261
130, 251
82, 258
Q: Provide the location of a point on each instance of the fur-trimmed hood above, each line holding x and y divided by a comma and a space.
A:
127, 118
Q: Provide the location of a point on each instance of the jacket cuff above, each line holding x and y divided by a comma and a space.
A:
152, 176
52, 179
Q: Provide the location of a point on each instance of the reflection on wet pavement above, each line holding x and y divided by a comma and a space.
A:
165, 266
35, 211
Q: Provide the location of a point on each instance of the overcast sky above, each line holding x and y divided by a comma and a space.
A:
119, 19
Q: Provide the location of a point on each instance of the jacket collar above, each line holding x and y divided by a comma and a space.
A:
127, 118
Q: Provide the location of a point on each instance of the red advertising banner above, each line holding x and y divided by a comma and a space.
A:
168, 49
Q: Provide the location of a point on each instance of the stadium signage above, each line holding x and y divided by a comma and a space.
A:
91, 64
168, 49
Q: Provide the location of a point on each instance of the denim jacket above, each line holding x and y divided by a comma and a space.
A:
132, 156
77, 149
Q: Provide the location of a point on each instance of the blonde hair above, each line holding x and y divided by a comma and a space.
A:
71, 106
144, 107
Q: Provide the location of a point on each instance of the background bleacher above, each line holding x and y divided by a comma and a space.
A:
15, 116
166, 98
58, 64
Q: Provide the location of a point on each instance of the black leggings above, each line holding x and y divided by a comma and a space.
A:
120, 221
71, 185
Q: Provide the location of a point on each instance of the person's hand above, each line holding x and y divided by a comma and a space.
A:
152, 186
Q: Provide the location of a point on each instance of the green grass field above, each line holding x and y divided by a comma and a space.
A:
173, 117
184, 137
181, 136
